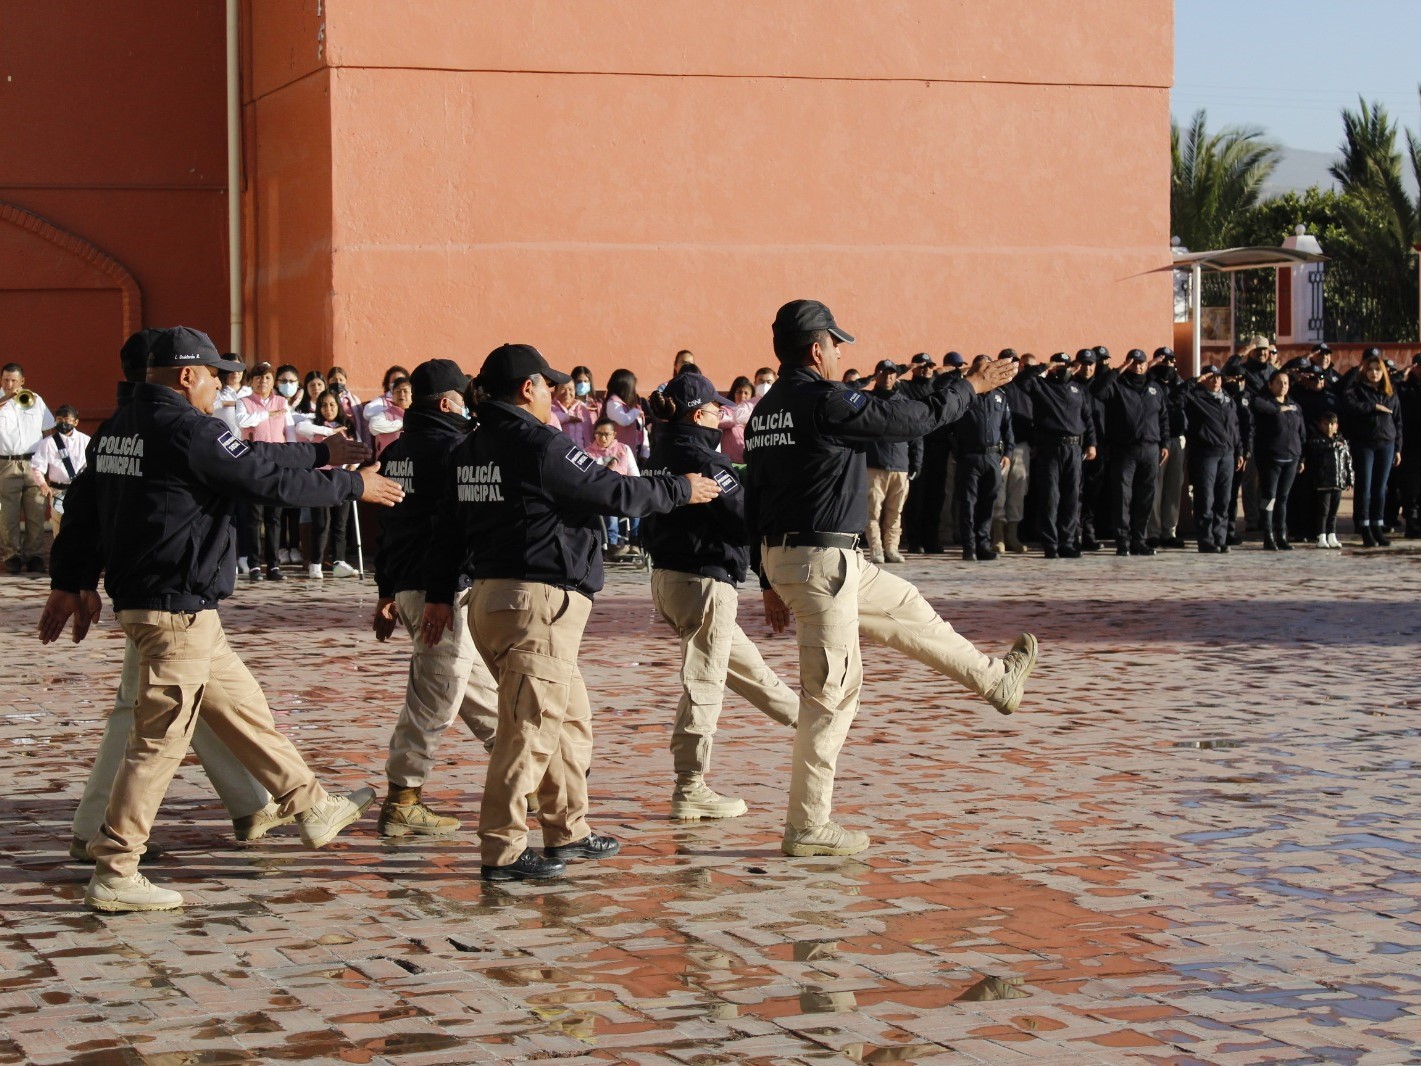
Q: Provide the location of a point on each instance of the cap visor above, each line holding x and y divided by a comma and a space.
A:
840, 335
556, 377
230, 366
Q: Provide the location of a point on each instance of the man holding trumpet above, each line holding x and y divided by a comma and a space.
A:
24, 421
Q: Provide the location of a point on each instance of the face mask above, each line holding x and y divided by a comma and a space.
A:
583, 388
64, 428
462, 414
762, 388
287, 389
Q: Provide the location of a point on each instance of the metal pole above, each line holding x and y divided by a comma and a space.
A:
234, 183
1196, 275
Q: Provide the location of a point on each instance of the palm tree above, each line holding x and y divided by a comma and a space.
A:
1215, 180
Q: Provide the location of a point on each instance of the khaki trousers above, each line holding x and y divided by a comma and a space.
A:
186, 665
715, 653
834, 593
20, 495
446, 681
529, 634
887, 493
1164, 519
1011, 501
239, 791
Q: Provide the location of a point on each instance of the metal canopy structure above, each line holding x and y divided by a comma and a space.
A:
1225, 261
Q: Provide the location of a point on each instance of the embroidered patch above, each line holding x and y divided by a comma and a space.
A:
233, 446
1153, 391
854, 398
726, 480
579, 458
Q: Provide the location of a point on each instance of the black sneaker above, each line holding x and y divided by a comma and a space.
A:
987, 553
35, 565
1071, 553
255, 574
1141, 548
1122, 549
530, 866
14, 565
273, 573
1171, 542
589, 847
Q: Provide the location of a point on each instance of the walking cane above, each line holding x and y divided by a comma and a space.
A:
359, 545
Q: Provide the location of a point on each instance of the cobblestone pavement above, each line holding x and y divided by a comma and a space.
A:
1198, 842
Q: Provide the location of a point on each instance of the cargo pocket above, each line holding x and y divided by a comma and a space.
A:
169, 692
825, 673
539, 698
508, 600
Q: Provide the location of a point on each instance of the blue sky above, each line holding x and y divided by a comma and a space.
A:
1290, 66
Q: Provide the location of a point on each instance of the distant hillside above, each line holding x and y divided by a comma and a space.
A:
1299, 169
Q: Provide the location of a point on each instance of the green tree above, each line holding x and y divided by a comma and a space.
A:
1215, 181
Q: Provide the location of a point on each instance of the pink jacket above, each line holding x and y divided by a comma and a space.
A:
576, 421
268, 430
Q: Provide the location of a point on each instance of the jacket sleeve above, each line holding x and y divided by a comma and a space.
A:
76, 558
1008, 429
293, 456
857, 415
225, 463
1164, 434
447, 544
571, 478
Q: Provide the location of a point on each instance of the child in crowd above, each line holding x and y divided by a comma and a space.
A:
328, 524
573, 416
1329, 461
735, 418
349, 402
608, 451
623, 408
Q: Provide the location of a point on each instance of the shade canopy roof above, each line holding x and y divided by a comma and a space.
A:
1225, 260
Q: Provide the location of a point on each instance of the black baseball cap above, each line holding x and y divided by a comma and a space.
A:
1234, 366
1060, 357
691, 390
515, 362
1137, 355
181, 346
133, 356
1321, 349
1086, 356
435, 377
1164, 352
922, 359
953, 359
1205, 372
1102, 353
888, 366
806, 316
1007, 353
1372, 353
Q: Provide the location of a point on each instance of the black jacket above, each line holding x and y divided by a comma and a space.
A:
1315, 404
419, 461
1211, 423
1278, 432
1062, 408
1364, 425
166, 479
1329, 463
805, 446
713, 540
987, 423
1022, 411
522, 501
1136, 411
904, 456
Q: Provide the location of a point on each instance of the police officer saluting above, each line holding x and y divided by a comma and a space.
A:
1137, 427
448, 678
984, 441
1063, 425
522, 517
808, 484
165, 474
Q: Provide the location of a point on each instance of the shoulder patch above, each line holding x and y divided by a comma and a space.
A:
854, 398
1154, 391
1075, 389
726, 480
233, 446
998, 397
579, 458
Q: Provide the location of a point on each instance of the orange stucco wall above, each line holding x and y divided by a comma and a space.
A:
611, 180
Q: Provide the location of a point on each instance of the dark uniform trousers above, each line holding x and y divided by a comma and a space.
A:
922, 515
1056, 470
1212, 476
1134, 475
529, 634
979, 480
1095, 501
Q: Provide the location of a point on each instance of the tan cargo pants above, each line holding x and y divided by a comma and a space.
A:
530, 633
185, 664
20, 495
239, 791
715, 654
834, 594
446, 681
887, 493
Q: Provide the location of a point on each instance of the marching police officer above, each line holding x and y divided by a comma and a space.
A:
892, 467
165, 475
1216, 453
1236, 386
1064, 426
983, 441
807, 481
521, 516
1136, 423
698, 556
448, 678
1173, 476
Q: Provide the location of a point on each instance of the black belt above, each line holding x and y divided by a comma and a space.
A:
16, 458
813, 540
990, 449
59, 486
1052, 438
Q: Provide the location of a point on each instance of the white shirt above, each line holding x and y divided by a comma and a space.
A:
229, 406
46, 461
21, 429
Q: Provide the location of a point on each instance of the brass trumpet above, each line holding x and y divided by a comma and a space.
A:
25, 398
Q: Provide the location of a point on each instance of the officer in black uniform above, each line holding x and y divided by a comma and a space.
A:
808, 486
1236, 386
1215, 451
983, 439
1064, 426
448, 679
1136, 425
1087, 374
165, 475
922, 514
522, 516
